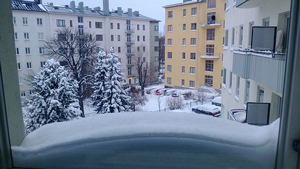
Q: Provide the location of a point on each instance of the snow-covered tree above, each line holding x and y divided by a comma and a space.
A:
112, 98
54, 98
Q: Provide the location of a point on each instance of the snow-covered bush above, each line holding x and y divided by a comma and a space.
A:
174, 103
109, 96
136, 96
188, 95
54, 98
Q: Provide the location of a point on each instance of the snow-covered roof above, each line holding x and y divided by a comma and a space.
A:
184, 3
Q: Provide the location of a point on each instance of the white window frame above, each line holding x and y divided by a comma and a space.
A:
169, 68
26, 36
192, 70
193, 26
194, 11
193, 41
183, 69
169, 80
39, 21
60, 23
29, 66
183, 42
27, 50
40, 36
25, 21
192, 84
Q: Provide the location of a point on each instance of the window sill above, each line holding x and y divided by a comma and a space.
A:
192, 73
227, 8
210, 40
229, 90
232, 48
236, 98
192, 59
209, 72
224, 85
193, 45
194, 30
211, 8
225, 47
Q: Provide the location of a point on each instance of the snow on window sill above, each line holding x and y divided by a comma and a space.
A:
193, 30
236, 97
169, 45
194, 15
183, 59
224, 85
229, 90
192, 73
183, 73
193, 59
232, 48
209, 71
183, 45
227, 8
192, 87
210, 40
184, 30
225, 47
245, 106
211, 8
193, 45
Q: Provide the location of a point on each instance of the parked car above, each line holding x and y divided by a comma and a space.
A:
175, 94
209, 92
210, 110
158, 92
217, 101
148, 91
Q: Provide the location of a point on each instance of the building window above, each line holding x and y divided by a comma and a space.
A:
261, 94
193, 26
230, 80
169, 28
144, 27
192, 83
41, 36
193, 41
156, 68
211, 4
209, 81
237, 92
98, 24
194, 11
169, 68
156, 28
156, 48
16, 36
182, 82
14, 20
209, 65
80, 19
251, 24
29, 65
42, 50
22, 92
138, 27
27, 51
184, 12
19, 66
184, 27
99, 37
80, 29
129, 71
169, 80
241, 36
156, 58
170, 14
232, 37
118, 25
17, 51
60, 23
144, 39
266, 21
26, 36
138, 49
211, 18
183, 42
129, 60
169, 42
119, 37
183, 56
39, 21
42, 64
227, 5
192, 70
247, 91
156, 38
112, 37
138, 38
210, 50
169, 55
226, 38
90, 24
25, 21
224, 76
144, 50
193, 56
183, 69
119, 49
111, 25
71, 23
210, 35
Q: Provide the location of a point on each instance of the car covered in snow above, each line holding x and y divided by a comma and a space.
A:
210, 110
208, 92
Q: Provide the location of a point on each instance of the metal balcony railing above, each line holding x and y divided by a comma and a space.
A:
211, 23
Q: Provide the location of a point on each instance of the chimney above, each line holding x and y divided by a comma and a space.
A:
105, 7
38, 1
50, 4
120, 11
136, 13
80, 7
129, 12
72, 5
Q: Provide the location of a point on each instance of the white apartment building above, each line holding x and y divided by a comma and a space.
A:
127, 32
250, 75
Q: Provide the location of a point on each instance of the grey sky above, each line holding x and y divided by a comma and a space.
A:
150, 8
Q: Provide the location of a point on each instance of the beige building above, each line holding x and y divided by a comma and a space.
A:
194, 43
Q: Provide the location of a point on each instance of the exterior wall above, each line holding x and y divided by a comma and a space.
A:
235, 18
177, 48
153, 53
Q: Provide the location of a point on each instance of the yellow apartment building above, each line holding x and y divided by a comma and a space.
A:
194, 33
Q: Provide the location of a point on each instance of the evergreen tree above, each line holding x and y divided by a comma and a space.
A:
112, 97
54, 98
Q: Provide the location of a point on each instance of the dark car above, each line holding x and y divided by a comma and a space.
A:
210, 110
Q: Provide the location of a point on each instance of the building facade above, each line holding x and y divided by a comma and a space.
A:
250, 75
194, 43
128, 33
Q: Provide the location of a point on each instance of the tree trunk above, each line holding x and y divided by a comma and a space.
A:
81, 100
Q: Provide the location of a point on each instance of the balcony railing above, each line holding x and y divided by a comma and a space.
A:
265, 68
251, 3
211, 23
210, 55
129, 30
130, 42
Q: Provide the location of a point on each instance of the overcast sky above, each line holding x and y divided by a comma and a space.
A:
150, 8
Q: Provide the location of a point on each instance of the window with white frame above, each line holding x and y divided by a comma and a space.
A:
230, 80
182, 82
156, 48
184, 13
209, 65
156, 58
193, 26
43, 63
90, 24
192, 70
183, 41
224, 76
28, 65
119, 37
210, 50
42, 50
227, 4
209, 81
98, 25
194, 11
169, 80
251, 24
156, 38
210, 35
26, 36
27, 51
232, 37
266, 21
111, 25
23, 94
39, 21
193, 56
211, 4
192, 83
193, 41
170, 14
183, 56
241, 35
169, 42
25, 21
17, 51
14, 20
71, 23
247, 92
138, 38
80, 19
118, 25
16, 36
99, 37
211, 18
19, 66
111, 37
40, 36
137, 27
169, 28
183, 69
184, 27
169, 68
155, 27
226, 38
144, 39
129, 71
169, 55
60, 23
237, 92
144, 27
119, 49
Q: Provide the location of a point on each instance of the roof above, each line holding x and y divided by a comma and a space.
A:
184, 3
27, 6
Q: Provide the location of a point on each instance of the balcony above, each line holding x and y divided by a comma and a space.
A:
264, 68
129, 30
210, 56
211, 23
129, 42
251, 3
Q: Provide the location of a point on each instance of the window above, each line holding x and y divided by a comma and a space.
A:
169, 80
60, 23
184, 12
19, 66
209, 81
169, 28
119, 37
112, 37
241, 36
169, 68
226, 38
251, 24
211, 17
183, 42
26, 36
247, 91
14, 20
25, 21
193, 26
80, 19
119, 49
42, 64
193, 41
210, 35
98, 24
138, 49
138, 27
156, 48
156, 28
184, 27
16, 36
22, 92
237, 92
99, 37
129, 60
29, 65
209, 65
156, 38
194, 11
183, 69
193, 56
210, 50
144, 27
144, 50
224, 76
41, 36
111, 25
192, 70
169, 55
211, 4
144, 38
27, 51
90, 24
156, 68
170, 14
183, 56
39, 21
227, 5
42, 50
182, 82
261, 94
230, 80
232, 37
156, 58
266, 21
129, 71
138, 38
118, 25
17, 51
71, 23
169, 42
192, 83
80, 29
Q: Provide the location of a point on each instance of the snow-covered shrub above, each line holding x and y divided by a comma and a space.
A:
188, 95
109, 96
54, 98
136, 96
174, 103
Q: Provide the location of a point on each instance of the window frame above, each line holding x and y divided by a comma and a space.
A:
209, 65
210, 34
194, 11
193, 56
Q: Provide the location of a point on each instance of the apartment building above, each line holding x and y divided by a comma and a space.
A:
127, 32
252, 75
194, 43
